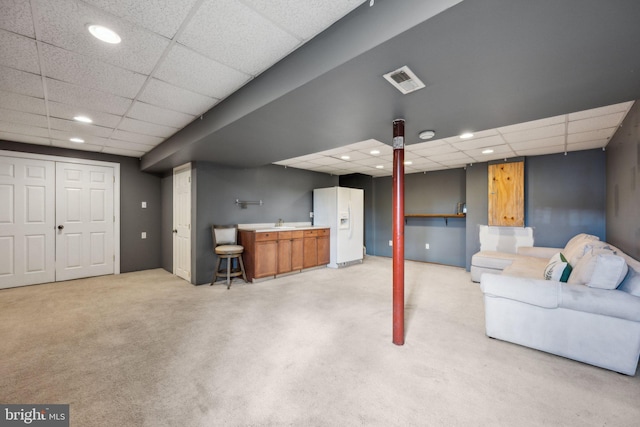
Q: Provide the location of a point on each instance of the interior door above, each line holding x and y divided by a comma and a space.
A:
84, 221
506, 194
27, 238
182, 222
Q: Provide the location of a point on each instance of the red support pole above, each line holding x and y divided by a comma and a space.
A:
398, 232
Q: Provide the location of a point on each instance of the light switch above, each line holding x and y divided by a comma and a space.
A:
143, 235
144, 205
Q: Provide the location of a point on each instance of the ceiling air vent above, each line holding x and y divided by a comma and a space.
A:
404, 80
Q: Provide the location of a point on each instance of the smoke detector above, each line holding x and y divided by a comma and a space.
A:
404, 80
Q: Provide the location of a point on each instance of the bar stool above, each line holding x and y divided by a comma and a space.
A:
225, 247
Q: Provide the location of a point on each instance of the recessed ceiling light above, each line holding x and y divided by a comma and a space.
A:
408, 162
487, 151
466, 135
104, 34
345, 157
76, 140
427, 134
83, 119
374, 152
379, 167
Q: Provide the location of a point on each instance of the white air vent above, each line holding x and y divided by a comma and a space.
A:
404, 80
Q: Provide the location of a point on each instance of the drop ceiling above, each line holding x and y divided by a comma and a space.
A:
248, 83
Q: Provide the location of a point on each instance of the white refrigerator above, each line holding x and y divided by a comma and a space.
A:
341, 209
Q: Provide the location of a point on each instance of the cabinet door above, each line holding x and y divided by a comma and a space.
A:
297, 250
323, 250
284, 256
266, 258
310, 252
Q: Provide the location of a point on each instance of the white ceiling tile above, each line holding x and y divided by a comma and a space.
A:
24, 129
123, 152
470, 144
336, 151
147, 128
67, 93
594, 123
588, 145
85, 71
384, 149
18, 52
353, 155
476, 135
152, 114
326, 160
304, 19
602, 111
540, 151
190, 70
533, 124
127, 145
75, 146
67, 112
237, 36
497, 150
15, 16
367, 144
64, 135
137, 137
535, 133
440, 158
63, 24
14, 116
303, 165
574, 138
440, 149
426, 145
370, 161
7, 136
21, 82
160, 93
80, 128
14, 101
537, 143
160, 16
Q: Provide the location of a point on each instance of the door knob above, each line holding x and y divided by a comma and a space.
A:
175, 231
61, 227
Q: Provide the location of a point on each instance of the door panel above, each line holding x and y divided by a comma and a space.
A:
506, 194
27, 237
182, 222
85, 221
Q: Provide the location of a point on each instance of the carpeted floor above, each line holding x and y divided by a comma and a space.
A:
311, 349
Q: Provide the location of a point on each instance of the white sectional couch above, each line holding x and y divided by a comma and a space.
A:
593, 317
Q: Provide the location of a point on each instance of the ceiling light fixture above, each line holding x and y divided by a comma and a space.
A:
104, 34
77, 140
345, 157
83, 119
374, 152
379, 167
408, 162
487, 151
427, 134
466, 135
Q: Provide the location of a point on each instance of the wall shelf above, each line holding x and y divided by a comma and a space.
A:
445, 216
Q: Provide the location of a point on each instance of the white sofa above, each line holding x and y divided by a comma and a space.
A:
580, 319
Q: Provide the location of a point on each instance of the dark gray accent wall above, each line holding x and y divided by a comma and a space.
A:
477, 207
135, 187
428, 193
623, 185
166, 230
286, 193
364, 182
565, 195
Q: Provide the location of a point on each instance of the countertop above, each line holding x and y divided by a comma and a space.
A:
287, 226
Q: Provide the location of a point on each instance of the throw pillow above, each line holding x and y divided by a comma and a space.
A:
557, 268
599, 268
576, 247
631, 284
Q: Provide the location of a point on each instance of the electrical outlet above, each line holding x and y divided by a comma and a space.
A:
390, 243
426, 246
144, 205
310, 214
143, 235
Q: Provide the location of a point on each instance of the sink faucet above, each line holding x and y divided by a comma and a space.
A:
280, 223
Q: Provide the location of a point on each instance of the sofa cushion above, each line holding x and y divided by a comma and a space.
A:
631, 283
539, 292
557, 268
526, 267
612, 303
575, 248
599, 268
493, 259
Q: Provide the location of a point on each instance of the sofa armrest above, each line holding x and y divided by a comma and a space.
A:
543, 293
606, 302
538, 251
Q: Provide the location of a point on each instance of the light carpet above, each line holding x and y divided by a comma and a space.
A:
310, 349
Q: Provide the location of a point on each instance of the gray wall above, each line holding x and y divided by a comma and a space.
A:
623, 185
477, 207
166, 230
287, 193
135, 187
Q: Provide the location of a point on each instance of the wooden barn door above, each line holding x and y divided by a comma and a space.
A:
506, 194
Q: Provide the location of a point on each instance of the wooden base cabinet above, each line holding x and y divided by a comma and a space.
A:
267, 254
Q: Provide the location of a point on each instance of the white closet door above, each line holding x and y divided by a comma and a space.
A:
182, 222
27, 237
84, 220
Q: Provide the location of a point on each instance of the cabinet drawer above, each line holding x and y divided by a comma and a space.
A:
298, 234
310, 233
323, 232
261, 237
284, 235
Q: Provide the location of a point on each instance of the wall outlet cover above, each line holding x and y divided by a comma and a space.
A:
143, 235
